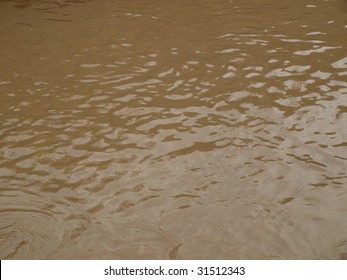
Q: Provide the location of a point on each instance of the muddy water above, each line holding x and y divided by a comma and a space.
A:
173, 129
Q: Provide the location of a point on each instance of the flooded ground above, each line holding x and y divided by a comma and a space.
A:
173, 129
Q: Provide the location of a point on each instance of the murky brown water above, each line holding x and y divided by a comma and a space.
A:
173, 129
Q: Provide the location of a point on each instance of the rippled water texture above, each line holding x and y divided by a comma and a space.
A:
173, 129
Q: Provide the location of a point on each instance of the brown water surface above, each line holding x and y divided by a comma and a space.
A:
173, 129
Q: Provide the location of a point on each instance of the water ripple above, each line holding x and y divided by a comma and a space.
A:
135, 130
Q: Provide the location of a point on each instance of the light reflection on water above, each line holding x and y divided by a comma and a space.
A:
146, 130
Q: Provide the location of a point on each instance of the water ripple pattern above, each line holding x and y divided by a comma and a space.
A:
173, 129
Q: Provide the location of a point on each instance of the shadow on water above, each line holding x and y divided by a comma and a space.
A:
23, 4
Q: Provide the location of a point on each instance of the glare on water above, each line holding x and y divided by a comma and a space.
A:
173, 129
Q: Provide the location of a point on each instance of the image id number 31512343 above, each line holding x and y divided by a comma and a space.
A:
221, 270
